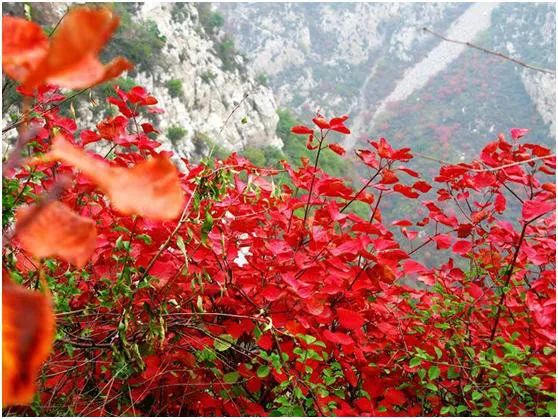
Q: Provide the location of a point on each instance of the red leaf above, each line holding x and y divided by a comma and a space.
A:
337, 125
271, 293
28, 326
350, 319
55, 230
309, 141
301, 130
422, 186
443, 241
534, 209
394, 396
336, 337
411, 267
24, 45
321, 122
112, 129
336, 148
150, 189
265, 342
500, 203
389, 177
148, 128
71, 58
368, 158
517, 133
88, 136
462, 247
405, 190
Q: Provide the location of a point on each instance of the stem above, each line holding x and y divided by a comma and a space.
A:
322, 138
362, 189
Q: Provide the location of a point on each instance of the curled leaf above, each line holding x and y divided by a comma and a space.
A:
24, 45
336, 148
55, 230
150, 189
70, 59
301, 130
28, 326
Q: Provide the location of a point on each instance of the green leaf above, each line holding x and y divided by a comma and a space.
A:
297, 411
223, 342
263, 371
415, 362
433, 372
452, 373
512, 369
431, 387
476, 395
446, 410
206, 226
532, 381
438, 352
461, 408
231, 377
551, 408
146, 238
181, 245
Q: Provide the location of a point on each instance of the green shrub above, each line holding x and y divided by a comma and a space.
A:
262, 79
141, 40
255, 155
209, 19
227, 53
176, 133
203, 145
208, 76
174, 87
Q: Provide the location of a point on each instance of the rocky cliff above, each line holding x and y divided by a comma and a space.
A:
208, 92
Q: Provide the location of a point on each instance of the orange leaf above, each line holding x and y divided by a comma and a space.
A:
54, 230
24, 45
150, 189
28, 326
71, 58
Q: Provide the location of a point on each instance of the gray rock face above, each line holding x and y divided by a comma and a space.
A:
228, 107
215, 102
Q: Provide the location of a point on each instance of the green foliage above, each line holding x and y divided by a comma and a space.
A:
140, 41
204, 145
176, 133
207, 76
255, 155
174, 87
209, 20
226, 51
262, 79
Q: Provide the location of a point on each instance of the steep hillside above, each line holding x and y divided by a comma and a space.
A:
373, 61
209, 94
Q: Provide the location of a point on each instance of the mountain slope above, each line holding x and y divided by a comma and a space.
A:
353, 58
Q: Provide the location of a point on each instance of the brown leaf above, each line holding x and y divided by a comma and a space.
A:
55, 230
150, 189
70, 60
28, 326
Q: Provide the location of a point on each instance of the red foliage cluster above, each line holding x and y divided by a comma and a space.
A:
262, 292
258, 299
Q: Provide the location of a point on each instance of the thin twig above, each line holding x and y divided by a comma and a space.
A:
487, 51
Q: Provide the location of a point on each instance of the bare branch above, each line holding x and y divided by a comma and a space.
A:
496, 53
